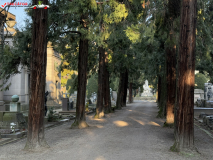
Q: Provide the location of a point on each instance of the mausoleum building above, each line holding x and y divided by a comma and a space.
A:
20, 83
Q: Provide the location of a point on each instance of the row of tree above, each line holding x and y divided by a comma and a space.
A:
151, 39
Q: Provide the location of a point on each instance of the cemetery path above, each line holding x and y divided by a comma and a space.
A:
132, 133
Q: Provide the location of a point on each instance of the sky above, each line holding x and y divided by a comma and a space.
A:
18, 12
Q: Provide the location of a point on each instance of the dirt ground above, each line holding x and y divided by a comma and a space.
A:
132, 133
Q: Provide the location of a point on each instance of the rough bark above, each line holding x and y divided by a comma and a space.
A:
107, 99
100, 105
80, 121
119, 103
163, 95
159, 89
125, 88
171, 82
184, 114
35, 135
130, 93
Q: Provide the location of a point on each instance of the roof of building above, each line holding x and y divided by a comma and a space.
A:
10, 16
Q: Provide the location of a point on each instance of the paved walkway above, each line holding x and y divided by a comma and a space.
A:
132, 133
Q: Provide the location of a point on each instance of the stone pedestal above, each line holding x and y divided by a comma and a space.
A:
15, 106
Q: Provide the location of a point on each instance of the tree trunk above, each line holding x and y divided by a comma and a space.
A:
171, 83
99, 106
130, 93
35, 135
125, 88
107, 99
163, 95
184, 114
80, 121
159, 88
119, 103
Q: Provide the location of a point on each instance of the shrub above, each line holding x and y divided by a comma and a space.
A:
200, 79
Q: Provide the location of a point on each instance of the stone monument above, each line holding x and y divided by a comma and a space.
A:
146, 90
198, 94
74, 98
13, 117
15, 105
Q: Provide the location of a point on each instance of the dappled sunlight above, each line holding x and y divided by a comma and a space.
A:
129, 110
140, 122
100, 120
154, 124
120, 123
145, 122
189, 78
99, 126
100, 158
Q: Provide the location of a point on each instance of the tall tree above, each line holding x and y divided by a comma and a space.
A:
184, 114
107, 99
125, 88
80, 121
35, 135
173, 13
130, 100
100, 98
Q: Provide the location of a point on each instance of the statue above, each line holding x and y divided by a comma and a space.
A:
146, 89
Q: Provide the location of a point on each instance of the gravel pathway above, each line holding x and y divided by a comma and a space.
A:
132, 133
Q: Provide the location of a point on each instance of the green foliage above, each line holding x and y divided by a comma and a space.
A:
92, 85
72, 84
200, 79
204, 37
114, 83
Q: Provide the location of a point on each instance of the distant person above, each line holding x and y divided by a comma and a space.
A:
45, 103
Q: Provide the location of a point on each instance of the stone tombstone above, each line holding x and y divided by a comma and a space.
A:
15, 105
198, 94
65, 104
207, 90
146, 90
209, 93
